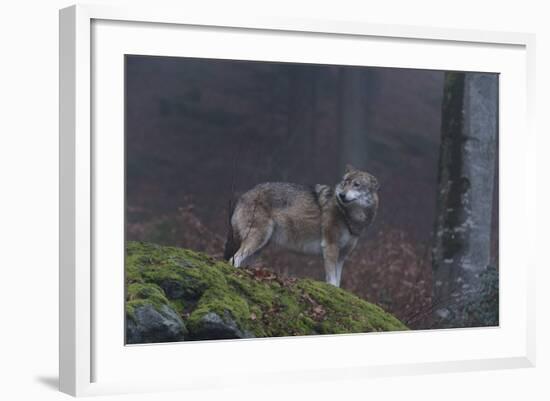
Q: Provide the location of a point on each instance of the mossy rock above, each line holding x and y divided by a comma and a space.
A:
216, 300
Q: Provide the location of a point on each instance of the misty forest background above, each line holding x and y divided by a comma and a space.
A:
200, 132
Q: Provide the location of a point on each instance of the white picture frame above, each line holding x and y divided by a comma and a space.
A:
81, 346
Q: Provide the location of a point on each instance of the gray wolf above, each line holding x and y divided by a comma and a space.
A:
319, 220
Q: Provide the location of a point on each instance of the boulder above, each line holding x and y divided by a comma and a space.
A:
212, 327
148, 324
175, 294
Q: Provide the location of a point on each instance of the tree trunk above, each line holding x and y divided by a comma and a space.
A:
354, 96
302, 121
462, 235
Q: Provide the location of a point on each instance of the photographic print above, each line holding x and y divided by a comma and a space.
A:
273, 199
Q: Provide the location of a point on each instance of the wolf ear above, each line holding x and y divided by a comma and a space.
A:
350, 168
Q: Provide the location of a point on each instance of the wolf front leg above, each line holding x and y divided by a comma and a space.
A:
339, 267
330, 256
344, 253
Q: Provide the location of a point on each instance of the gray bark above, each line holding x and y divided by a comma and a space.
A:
354, 96
462, 235
302, 120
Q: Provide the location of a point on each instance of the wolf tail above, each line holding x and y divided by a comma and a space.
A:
232, 243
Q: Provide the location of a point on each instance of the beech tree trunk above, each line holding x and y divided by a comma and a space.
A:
354, 96
302, 119
462, 235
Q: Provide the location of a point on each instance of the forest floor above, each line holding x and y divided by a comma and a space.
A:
175, 294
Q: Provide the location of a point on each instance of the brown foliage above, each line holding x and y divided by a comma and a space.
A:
393, 271
183, 229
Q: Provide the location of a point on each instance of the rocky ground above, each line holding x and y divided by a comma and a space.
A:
174, 294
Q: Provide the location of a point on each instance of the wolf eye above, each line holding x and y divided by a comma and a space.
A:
356, 184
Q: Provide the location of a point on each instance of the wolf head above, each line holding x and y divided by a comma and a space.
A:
357, 188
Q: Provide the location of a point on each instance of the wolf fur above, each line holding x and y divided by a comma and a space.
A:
319, 220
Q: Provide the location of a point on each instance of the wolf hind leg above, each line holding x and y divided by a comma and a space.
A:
255, 240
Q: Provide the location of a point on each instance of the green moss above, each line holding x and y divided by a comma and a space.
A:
194, 284
151, 292
138, 294
346, 313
